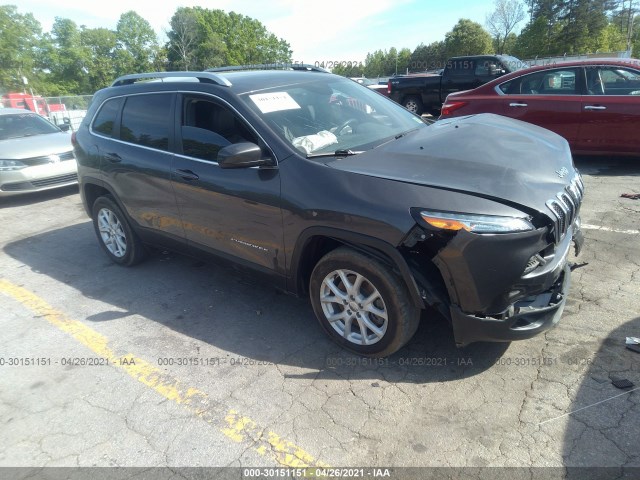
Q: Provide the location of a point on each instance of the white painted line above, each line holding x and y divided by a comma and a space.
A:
607, 229
589, 406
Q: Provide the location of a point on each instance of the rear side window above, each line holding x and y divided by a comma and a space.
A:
146, 120
545, 82
105, 120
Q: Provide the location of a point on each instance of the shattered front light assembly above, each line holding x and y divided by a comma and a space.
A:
476, 223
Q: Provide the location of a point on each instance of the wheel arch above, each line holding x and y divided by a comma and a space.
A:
91, 191
315, 242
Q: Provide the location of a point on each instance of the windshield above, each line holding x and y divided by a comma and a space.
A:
24, 125
330, 114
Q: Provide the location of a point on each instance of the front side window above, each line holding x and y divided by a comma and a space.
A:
146, 120
207, 127
613, 80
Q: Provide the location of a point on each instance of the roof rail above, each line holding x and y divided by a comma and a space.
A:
204, 77
269, 66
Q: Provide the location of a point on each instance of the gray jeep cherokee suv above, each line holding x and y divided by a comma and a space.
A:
332, 190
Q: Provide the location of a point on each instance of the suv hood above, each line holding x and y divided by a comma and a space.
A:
486, 155
35, 146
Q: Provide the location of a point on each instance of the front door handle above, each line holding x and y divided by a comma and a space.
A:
594, 107
113, 157
518, 105
187, 175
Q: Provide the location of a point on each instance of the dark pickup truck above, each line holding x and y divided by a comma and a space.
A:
426, 92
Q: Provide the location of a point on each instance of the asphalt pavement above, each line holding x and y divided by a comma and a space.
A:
181, 363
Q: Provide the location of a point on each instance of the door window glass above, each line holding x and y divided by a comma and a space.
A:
105, 120
146, 120
207, 127
554, 82
613, 80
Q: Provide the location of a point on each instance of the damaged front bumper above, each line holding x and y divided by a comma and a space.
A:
534, 316
489, 301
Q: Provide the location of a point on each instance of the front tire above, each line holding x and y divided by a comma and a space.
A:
362, 304
115, 235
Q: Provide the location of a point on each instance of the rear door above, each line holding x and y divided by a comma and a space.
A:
549, 98
232, 212
611, 110
135, 159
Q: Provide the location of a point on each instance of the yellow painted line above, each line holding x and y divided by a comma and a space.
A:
232, 424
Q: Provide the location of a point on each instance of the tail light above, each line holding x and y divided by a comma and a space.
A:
389, 87
449, 107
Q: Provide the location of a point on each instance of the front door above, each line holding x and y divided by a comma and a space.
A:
232, 212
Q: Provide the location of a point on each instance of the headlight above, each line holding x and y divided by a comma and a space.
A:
476, 223
8, 165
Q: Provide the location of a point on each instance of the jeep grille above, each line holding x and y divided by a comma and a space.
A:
566, 206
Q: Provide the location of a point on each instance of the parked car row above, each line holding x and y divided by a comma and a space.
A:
425, 92
594, 104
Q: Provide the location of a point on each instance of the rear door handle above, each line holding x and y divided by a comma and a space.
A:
594, 107
187, 175
113, 157
518, 105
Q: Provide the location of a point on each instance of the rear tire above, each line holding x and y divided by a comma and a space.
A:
115, 235
413, 104
362, 304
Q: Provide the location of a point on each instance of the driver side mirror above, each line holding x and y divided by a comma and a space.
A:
242, 155
65, 127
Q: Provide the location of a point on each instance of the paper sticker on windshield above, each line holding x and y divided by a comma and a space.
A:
274, 102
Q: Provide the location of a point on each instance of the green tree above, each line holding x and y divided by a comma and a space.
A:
625, 20
374, 64
137, 44
538, 39
467, 38
349, 70
183, 39
404, 60
100, 68
428, 57
20, 40
201, 38
570, 27
66, 59
509, 45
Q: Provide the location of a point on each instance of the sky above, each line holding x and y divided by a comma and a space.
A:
318, 31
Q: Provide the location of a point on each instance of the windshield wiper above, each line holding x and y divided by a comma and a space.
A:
337, 153
404, 134
397, 137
